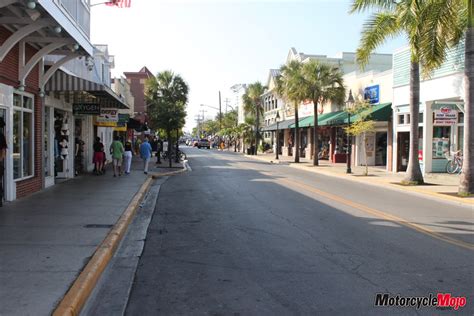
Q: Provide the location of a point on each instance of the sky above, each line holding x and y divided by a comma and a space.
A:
214, 44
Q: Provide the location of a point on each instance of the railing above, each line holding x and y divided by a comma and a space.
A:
78, 10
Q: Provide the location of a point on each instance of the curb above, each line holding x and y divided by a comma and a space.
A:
79, 292
374, 182
171, 173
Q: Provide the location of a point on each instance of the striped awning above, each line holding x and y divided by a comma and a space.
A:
84, 91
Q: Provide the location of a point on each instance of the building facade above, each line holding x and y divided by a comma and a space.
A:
137, 86
441, 120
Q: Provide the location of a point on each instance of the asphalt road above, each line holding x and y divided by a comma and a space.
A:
240, 237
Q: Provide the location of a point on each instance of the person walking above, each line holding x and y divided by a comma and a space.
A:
159, 148
145, 154
127, 155
117, 150
99, 156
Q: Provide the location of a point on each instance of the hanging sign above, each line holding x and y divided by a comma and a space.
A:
372, 94
445, 116
108, 116
86, 109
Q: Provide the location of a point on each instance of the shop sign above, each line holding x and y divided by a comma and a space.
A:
372, 94
106, 124
445, 116
86, 109
108, 116
123, 120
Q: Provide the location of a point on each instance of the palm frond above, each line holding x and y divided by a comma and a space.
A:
376, 30
364, 5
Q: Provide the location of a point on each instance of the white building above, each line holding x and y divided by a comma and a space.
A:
441, 120
238, 90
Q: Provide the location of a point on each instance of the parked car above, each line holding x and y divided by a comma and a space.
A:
204, 143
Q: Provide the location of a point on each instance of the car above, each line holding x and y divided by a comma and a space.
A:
204, 143
195, 143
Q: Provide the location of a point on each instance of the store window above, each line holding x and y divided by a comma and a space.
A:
22, 136
441, 144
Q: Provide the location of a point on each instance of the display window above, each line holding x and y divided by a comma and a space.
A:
22, 136
441, 141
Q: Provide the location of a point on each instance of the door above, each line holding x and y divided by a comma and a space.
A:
381, 149
403, 150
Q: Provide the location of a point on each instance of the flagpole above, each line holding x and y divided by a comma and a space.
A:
93, 5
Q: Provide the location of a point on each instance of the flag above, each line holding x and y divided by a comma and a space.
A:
119, 3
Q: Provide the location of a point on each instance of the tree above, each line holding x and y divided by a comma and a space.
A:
391, 19
166, 95
288, 86
362, 126
321, 83
447, 21
253, 105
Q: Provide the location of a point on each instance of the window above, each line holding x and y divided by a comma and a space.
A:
401, 119
460, 117
22, 136
420, 118
408, 119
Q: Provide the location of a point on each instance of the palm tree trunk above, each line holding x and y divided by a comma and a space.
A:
466, 185
413, 173
315, 135
177, 146
256, 130
297, 135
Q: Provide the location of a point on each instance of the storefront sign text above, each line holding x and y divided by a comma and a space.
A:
108, 116
445, 116
86, 109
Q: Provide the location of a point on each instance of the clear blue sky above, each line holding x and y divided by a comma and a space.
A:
215, 44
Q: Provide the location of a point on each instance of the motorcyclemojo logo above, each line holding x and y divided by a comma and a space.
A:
439, 300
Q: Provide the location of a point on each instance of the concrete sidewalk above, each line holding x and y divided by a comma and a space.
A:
438, 185
47, 238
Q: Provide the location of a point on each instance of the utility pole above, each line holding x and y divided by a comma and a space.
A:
220, 112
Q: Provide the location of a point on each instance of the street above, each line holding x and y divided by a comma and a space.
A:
236, 236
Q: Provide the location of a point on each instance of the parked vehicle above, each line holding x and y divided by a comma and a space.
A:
204, 143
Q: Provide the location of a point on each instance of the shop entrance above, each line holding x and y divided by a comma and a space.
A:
403, 150
61, 144
381, 149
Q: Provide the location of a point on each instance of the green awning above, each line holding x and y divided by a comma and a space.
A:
308, 121
336, 118
379, 112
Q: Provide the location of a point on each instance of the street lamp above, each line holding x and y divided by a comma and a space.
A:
349, 105
277, 119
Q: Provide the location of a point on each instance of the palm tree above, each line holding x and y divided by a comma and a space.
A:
288, 86
166, 95
321, 83
253, 105
467, 176
391, 19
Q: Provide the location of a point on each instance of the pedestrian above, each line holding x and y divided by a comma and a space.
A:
145, 154
3, 155
159, 146
99, 156
116, 150
127, 155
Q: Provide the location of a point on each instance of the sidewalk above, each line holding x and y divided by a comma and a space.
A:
47, 238
438, 185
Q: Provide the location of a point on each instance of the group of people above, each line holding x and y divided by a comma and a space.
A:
122, 155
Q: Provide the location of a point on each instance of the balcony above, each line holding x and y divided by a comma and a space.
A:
78, 11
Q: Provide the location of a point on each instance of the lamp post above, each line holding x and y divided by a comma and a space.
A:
277, 118
349, 104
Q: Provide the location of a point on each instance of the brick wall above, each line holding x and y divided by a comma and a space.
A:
9, 76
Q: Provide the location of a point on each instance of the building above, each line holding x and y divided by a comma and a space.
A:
331, 131
441, 120
238, 90
137, 86
54, 86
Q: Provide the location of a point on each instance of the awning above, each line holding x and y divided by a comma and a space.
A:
281, 125
84, 91
308, 121
379, 112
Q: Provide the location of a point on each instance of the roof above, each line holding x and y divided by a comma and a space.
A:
281, 125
